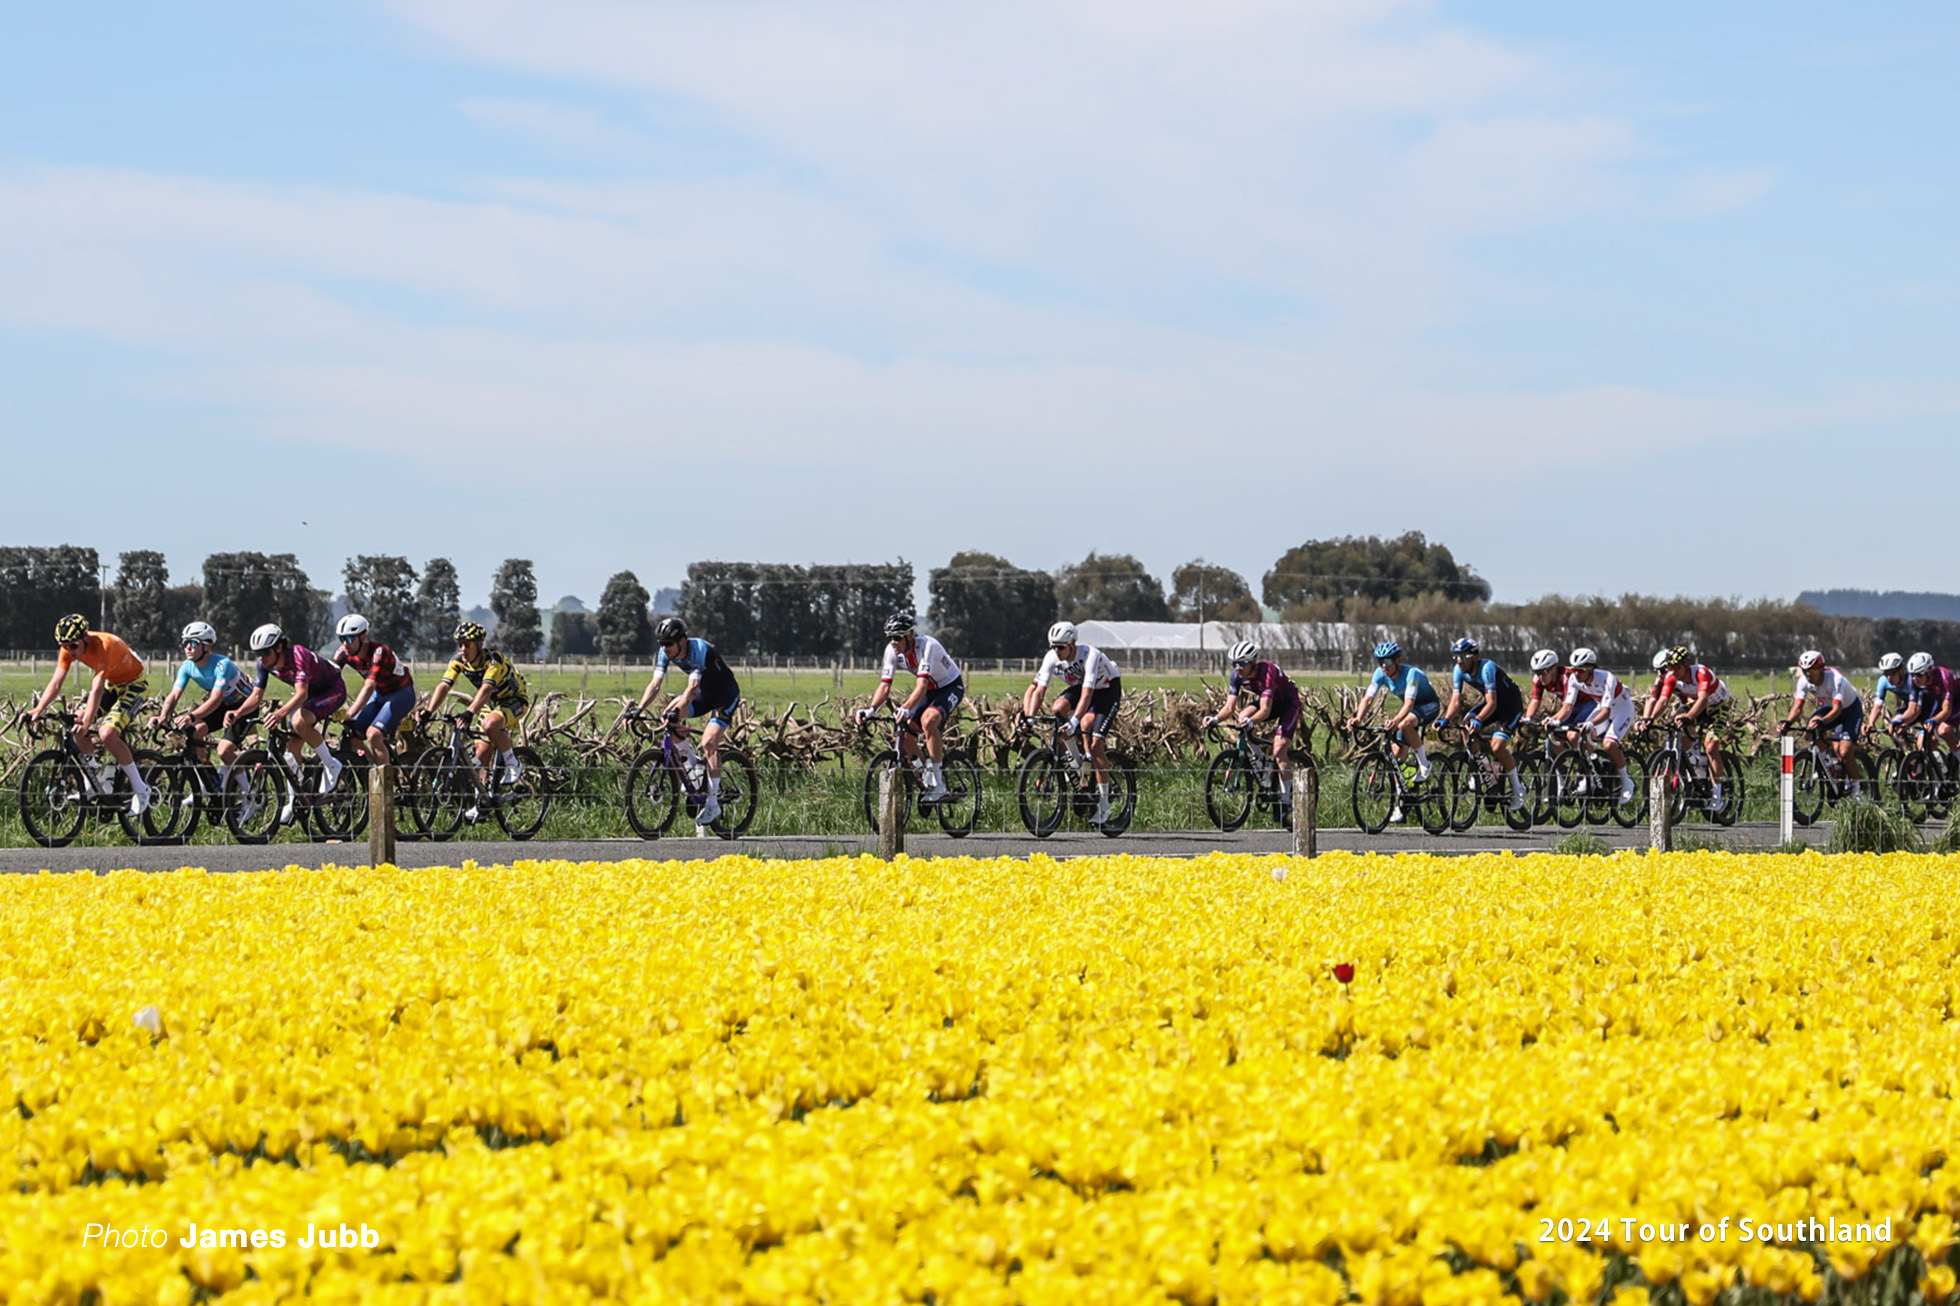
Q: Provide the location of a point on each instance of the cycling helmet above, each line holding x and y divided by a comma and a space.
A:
1244, 652
1464, 647
1584, 657
1809, 660
200, 631
1388, 648
1663, 659
1062, 632
1920, 664
1544, 660
669, 630
470, 632
351, 625
899, 624
266, 638
1889, 663
1677, 655
71, 628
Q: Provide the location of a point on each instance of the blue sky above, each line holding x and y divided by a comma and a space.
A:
1608, 298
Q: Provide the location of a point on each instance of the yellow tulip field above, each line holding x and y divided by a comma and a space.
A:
1407, 1081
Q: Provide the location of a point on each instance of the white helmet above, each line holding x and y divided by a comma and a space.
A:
1584, 657
1062, 632
1920, 664
1243, 652
351, 625
1890, 662
1663, 658
1809, 660
1543, 660
201, 632
265, 637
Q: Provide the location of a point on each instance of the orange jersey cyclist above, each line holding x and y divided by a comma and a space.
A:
937, 690
113, 693
1092, 696
387, 694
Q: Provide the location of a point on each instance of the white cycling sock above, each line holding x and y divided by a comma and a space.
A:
714, 786
1623, 772
1422, 757
135, 779
508, 757
1517, 785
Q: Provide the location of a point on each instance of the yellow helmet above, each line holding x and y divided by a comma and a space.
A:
71, 629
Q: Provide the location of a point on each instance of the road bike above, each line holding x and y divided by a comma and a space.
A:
444, 790
61, 787
671, 776
188, 790
1682, 762
1058, 779
958, 811
1924, 779
1587, 787
1472, 781
1818, 777
1243, 776
1384, 786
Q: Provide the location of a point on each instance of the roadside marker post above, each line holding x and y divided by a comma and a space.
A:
381, 815
1306, 797
1786, 820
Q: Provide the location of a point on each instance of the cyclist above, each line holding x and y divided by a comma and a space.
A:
318, 692
225, 690
712, 691
501, 696
387, 693
1275, 698
113, 693
1501, 710
1607, 707
1838, 707
935, 696
1707, 697
1892, 682
1420, 705
1935, 701
1090, 713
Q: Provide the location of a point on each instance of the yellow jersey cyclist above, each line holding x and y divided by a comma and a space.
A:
225, 687
1420, 705
1091, 699
318, 693
501, 696
1497, 716
938, 689
1707, 699
113, 694
712, 691
1836, 707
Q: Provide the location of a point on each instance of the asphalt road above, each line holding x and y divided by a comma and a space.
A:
1184, 843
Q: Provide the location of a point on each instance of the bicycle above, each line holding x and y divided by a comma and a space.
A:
659, 778
958, 811
1471, 781
1587, 787
1382, 787
1682, 762
1243, 776
443, 790
61, 787
1924, 779
1056, 780
339, 813
1818, 777
188, 791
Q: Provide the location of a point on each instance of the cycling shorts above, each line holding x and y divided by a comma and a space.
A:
721, 714
1846, 726
1500, 726
119, 701
1426, 713
947, 698
513, 710
1614, 724
216, 727
325, 704
1103, 703
386, 712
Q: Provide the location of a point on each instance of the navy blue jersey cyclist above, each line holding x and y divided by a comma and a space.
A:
712, 691
1496, 717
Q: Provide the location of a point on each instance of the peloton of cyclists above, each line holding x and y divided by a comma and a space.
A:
1676, 680
1274, 698
1607, 711
225, 687
1420, 705
1836, 706
1090, 701
937, 691
1497, 716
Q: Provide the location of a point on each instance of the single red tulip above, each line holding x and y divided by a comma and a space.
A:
1343, 972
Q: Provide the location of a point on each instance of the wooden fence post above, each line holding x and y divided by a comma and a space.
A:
891, 813
1306, 799
381, 814
1660, 813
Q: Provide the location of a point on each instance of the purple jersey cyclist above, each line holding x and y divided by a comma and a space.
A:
1274, 698
318, 692
1934, 699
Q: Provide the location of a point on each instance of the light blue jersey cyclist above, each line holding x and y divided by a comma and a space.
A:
1420, 705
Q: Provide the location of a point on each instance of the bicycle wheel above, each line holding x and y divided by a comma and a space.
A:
1536, 773
1809, 788
1735, 792
959, 810
1431, 802
174, 801
653, 794
334, 814
1043, 789
1940, 801
254, 794
521, 807
438, 794
150, 764
1571, 779
738, 794
1122, 795
53, 798
1517, 814
1915, 784
1373, 793
1872, 771
1456, 782
1626, 812
1229, 790
1667, 763
902, 777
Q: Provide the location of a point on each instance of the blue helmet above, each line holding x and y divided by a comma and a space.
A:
1388, 648
1463, 646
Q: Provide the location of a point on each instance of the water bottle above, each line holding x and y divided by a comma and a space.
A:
697, 774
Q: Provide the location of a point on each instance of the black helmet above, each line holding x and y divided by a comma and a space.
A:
669, 630
899, 623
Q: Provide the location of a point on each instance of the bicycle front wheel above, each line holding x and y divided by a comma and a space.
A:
255, 793
1229, 789
174, 801
1915, 784
1809, 787
1122, 795
521, 807
438, 793
959, 810
1571, 779
653, 794
54, 798
1043, 789
1536, 773
738, 794
1373, 793
1455, 781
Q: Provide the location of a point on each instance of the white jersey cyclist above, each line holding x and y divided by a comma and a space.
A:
1829, 689
928, 658
1090, 665
1605, 698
